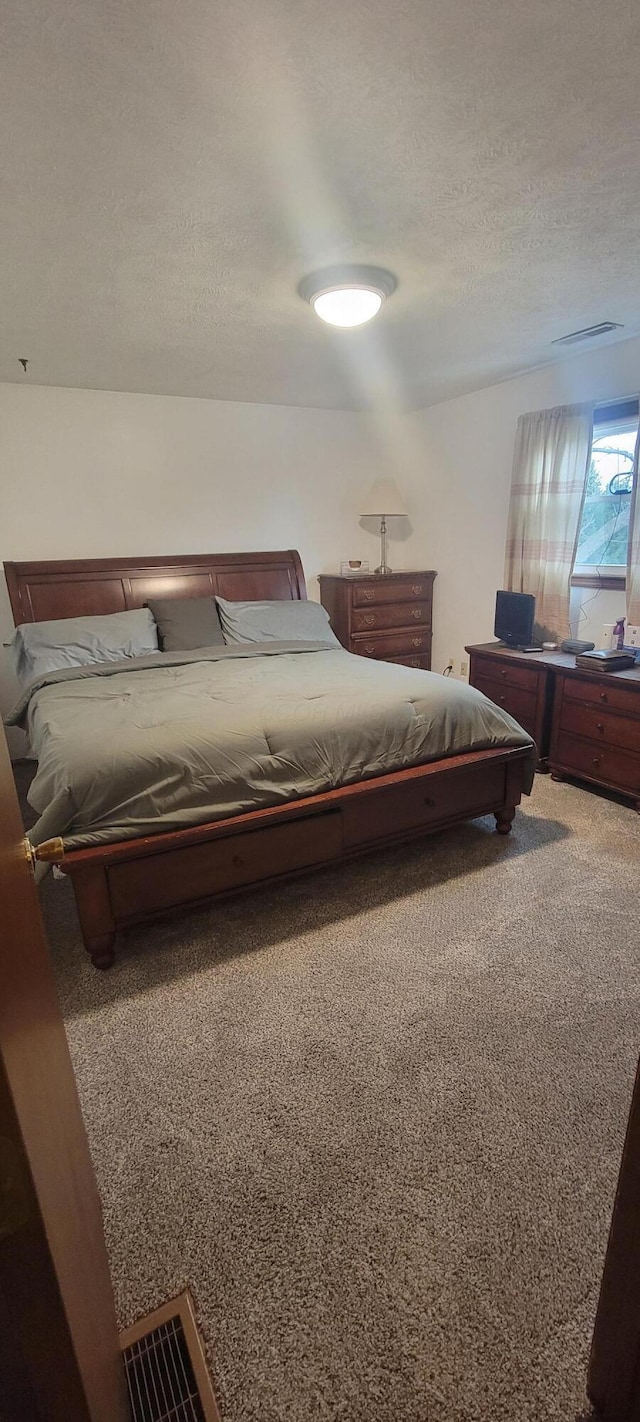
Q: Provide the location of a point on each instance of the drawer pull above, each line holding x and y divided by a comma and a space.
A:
370, 619
596, 760
502, 672
369, 594
599, 725
370, 647
603, 696
417, 589
416, 612
428, 800
416, 641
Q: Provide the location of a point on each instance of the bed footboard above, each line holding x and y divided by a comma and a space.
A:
133, 880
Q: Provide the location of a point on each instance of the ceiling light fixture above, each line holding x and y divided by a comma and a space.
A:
347, 295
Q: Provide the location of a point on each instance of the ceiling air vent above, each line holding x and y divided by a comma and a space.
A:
589, 333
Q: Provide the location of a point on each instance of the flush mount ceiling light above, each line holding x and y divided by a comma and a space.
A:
347, 295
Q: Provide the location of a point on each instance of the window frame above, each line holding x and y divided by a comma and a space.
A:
607, 419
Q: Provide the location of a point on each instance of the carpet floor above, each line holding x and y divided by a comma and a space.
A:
374, 1117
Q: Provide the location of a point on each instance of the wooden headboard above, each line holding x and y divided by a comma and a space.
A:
43, 591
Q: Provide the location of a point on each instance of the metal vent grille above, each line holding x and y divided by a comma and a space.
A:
161, 1379
165, 1368
587, 333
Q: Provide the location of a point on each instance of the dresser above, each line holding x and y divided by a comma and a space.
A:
386, 616
596, 729
585, 724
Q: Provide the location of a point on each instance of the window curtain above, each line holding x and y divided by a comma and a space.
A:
550, 464
633, 555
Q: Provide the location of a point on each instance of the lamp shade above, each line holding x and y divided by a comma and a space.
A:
384, 498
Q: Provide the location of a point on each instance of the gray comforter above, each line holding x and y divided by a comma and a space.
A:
176, 739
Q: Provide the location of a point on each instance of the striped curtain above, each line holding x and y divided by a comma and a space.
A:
550, 463
633, 555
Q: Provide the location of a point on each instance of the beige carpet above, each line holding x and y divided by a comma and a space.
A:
374, 1118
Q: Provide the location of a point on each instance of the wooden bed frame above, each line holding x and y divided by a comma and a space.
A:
134, 879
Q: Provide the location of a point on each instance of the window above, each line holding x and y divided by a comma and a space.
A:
604, 528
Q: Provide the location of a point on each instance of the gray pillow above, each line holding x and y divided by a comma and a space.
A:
281, 621
185, 623
42, 647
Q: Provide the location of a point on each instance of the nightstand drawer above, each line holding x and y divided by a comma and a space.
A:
510, 673
394, 644
615, 696
389, 590
598, 762
393, 615
599, 725
515, 700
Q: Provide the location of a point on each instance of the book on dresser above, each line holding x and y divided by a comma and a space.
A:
606, 661
386, 616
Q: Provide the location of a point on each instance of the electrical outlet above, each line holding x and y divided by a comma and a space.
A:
632, 636
464, 668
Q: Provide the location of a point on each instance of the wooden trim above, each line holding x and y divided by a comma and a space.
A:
614, 1367
182, 1308
609, 582
59, 1339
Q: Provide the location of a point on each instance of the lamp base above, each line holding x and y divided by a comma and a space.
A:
384, 566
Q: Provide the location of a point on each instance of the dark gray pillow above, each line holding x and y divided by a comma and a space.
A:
185, 623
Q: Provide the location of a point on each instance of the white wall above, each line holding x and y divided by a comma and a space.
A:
93, 474
89, 473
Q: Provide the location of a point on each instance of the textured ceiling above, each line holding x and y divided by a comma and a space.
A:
172, 168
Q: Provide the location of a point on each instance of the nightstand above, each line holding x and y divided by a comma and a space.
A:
386, 616
521, 683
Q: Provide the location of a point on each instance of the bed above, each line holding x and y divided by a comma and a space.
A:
264, 825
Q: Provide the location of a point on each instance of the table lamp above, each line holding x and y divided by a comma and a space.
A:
384, 501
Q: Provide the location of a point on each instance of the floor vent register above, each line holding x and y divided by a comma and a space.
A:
167, 1374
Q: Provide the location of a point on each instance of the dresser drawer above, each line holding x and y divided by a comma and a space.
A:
394, 615
394, 590
518, 702
599, 724
392, 644
598, 762
424, 663
615, 696
504, 671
